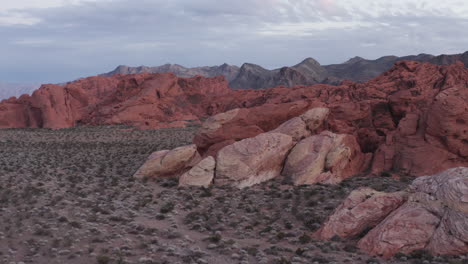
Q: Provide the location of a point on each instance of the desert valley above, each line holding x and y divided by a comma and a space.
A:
156, 168
272, 132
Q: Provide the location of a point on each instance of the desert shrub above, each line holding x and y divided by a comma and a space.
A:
214, 238
421, 254
103, 259
167, 207
304, 239
385, 174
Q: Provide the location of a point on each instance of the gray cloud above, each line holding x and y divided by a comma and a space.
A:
79, 40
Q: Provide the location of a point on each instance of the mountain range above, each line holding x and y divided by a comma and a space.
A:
308, 72
253, 76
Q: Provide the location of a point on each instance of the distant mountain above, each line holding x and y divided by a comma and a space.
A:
252, 76
8, 90
358, 69
308, 72
229, 71
450, 59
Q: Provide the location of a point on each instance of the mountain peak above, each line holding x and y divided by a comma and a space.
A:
252, 67
354, 60
309, 61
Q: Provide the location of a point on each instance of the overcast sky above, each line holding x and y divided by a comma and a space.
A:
61, 40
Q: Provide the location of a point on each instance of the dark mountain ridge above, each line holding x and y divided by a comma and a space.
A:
307, 72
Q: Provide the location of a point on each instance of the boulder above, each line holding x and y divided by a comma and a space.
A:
405, 230
169, 163
325, 158
253, 160
363, 209
231, 125
200, 175
244, 123
295, 127
433, 218
304, 125
315, 118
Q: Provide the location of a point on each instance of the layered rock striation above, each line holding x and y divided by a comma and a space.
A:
430, 215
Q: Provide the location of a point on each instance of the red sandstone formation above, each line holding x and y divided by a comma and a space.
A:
430, 215
414, 118
325, 158
143, 100
362, 210
253, 160
292, 150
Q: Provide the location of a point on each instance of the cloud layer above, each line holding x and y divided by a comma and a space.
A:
61, 40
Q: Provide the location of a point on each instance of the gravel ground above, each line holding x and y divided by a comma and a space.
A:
68, 196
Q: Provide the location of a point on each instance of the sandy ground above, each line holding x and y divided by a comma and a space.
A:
68, 196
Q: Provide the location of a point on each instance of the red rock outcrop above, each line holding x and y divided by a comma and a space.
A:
364, 208
241, 123
143, 100
325, 158
432, 217
414, 117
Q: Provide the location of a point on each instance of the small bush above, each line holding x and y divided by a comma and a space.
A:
103, 259
304, 239
421, 254
215, 238
385, 174
167, 207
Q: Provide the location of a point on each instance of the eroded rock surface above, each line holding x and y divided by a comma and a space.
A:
363, 209
244, 123
304, 125
169, 163
253, 160
325, 158
201, 175
433, 217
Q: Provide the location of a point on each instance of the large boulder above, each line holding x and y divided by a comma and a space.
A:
315, 118
244, 123
325, 158
295, 127
169, 163
253, 160
200, 175
231, 125
431, 215
407, 229
363, 209
304, 125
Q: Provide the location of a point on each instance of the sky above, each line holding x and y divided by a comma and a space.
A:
53, 41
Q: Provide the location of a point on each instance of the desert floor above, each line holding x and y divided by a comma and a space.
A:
68, 196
